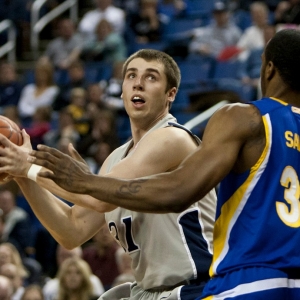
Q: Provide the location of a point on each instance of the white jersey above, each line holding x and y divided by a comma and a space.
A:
167, 250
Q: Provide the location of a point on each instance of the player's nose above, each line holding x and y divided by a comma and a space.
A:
138, 83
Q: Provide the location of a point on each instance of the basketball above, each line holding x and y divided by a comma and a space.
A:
12, 131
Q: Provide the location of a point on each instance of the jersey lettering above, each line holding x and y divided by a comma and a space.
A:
131, 246
289, 214
114, 232
292, 140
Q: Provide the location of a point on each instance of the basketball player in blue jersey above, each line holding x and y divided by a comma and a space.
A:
171, 253
253, 151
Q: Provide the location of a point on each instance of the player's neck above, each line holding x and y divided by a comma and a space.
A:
140, 129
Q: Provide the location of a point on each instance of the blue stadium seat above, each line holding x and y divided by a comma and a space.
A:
153, 45
182, 100
123, 128
204, 6
195, 70
96, 71
226, 69
180, 27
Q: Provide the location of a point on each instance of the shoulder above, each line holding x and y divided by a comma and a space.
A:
169, 135
239, 115
168, 144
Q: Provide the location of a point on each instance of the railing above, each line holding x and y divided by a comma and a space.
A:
9, 47
38, 24
204, 115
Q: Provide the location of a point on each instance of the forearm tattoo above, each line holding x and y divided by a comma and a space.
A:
131, 188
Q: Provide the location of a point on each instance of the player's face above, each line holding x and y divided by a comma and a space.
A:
144, 90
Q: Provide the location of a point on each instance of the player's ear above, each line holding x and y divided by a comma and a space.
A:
121, 96
171, 94
270, 70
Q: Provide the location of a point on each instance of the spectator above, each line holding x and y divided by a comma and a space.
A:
289, 13
40, 93
17, 224
76, 78
281, 7
65, 132
29, 268
101, 256
103, 130
74, 280
10, 86
13, 273
10, 254
95, 95
253, 36
51, 287
33, 292
77, 108
6, 289
97, 155
40, 125
212, 39
63, 50
104, 10
18, 12
107, 46
249, 71
113, 88
11, 112
146, 24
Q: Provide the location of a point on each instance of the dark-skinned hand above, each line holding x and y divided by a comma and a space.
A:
68, 172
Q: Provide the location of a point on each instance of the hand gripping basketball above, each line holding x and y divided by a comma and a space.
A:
12, 131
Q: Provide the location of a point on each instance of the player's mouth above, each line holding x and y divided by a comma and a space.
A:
137, 100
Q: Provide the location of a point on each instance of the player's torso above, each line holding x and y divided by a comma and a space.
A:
259, 211
166, 249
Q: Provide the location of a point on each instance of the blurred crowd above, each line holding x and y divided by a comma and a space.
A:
73, 95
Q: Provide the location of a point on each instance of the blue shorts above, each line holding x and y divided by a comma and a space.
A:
257, 283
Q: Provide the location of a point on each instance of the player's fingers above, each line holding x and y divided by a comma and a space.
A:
43, 159
26, 139
4, 141
43, 155
75, 154
46, 174
50, 150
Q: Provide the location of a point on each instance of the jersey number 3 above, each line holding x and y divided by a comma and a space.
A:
290, 215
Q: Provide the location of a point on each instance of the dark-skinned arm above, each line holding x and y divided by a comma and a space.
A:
224, 136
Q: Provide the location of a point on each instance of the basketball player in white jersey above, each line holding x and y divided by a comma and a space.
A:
171, 253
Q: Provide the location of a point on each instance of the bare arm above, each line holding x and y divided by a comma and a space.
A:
226, 134
70, 226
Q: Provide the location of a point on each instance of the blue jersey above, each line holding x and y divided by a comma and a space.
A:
258, 212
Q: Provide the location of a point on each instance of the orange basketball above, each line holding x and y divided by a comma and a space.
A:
12, 131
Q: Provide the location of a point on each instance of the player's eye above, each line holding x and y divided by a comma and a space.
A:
131, 75
151, 77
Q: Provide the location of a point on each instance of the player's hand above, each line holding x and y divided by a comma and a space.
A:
13, 158
66, 171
